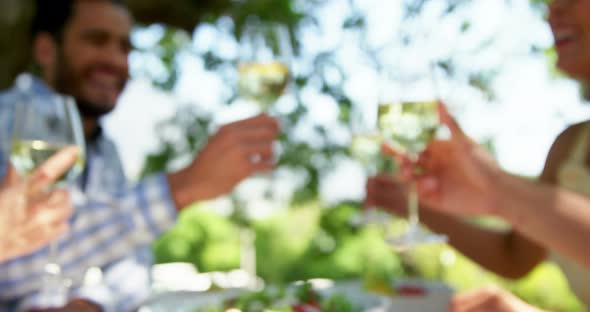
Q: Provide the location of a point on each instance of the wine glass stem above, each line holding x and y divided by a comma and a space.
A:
248, 254
413, 204
53, 268
53, 254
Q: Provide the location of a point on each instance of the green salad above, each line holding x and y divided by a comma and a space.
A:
303, 298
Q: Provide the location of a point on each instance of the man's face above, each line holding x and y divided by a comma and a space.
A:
91, 63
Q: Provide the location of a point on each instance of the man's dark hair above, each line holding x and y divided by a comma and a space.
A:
51, 16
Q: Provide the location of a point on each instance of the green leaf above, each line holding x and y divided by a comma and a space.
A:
354, 22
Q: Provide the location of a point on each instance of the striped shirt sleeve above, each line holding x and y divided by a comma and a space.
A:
108, 232
154, 209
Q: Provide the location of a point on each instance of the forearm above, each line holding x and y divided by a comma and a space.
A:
499, 251
145, 210
555, 218
180, 194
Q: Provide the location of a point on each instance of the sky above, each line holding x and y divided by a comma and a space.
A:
531, 108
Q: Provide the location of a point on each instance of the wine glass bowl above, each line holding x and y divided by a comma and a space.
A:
263, 83
409, 126
264, 65
41, 130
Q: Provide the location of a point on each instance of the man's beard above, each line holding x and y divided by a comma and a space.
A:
91, 110
66, 82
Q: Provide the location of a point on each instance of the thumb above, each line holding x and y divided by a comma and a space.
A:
11, 178
447, 119
428, 186
52, 169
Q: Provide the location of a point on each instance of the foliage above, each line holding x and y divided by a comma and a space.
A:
311, 242
301, 244
319, 72
203, 238
540, 3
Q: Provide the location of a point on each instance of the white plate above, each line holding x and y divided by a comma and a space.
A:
355, 292
437, 298
187, 301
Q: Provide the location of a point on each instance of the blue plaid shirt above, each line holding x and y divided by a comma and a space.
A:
112, 227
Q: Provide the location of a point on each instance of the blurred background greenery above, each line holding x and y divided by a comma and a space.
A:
312, 238
308, 242
306, 235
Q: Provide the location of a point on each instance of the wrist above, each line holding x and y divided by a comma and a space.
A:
428, 217
185, 189
510, 192
495, 190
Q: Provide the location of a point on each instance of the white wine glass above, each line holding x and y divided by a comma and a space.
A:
42, 127
365, 149
265, 63
264, 76
408, 121
264, 67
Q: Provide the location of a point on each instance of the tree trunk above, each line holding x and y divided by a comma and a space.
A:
16, 15
15, 20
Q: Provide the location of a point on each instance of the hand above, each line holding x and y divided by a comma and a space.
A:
30, 217
489, 299
457, 174
76, 305
237, 151
384, 192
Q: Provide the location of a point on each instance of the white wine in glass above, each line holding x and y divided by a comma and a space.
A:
408, 126
27, 155
264, 65
263, 83
42, 127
